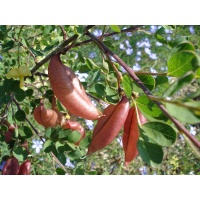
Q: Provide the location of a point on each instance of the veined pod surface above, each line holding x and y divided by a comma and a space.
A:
109, 125
25, 168
69, 90
11, 167
131, 134
74, 125
45, 117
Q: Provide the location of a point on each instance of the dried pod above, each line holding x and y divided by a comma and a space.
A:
11, 167
109, 125
69, 90
25, 168
45, 117
131, 134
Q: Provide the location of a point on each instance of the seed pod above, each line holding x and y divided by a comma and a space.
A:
25, 168
11, 167
109, 125
46, 117
74, 125
9, 133
131, 135
69, 90
61, 117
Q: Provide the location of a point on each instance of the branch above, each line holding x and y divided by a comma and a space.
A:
130, 29
57, 50
179, 126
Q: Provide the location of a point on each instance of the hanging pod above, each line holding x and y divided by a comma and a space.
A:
69, 90
108, 126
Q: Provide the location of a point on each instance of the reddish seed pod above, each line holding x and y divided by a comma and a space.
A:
109, 125
9, 133
45, 117
25, 168
69, 90
11, 167
131, 135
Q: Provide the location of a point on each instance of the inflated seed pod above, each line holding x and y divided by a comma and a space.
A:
108, 126
69, 90
25, 168
11, 167
45, 117
131, 134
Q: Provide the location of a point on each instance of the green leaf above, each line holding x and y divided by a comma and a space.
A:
60, 107
98, 89
80, 56
182, 113
60, 171
83, 68
197, 75
8, 45
60, 147
127, 85
20, 153
161, 39
20, 94
29, 92
182, 62
74, 136
115, 28
105, 67
75, 154
48, 48
3, 128
148, 81
185, 45
152, 154
96, 75
169, 27
90, 63
2, 137
112, 80
62, 158
161, 84
84, 143
178, 41
25, 132
177, 85
149, 108
160, 132
49, 146
63, 134
20, 115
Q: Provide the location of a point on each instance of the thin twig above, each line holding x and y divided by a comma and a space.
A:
150, 73
63, 32
57, 50
179, 126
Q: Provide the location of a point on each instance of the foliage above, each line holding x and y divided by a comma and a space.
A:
156, 67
